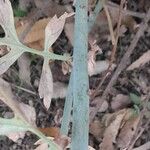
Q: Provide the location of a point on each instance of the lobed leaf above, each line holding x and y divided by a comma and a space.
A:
46, 84
7, 20
54, 29
7, 60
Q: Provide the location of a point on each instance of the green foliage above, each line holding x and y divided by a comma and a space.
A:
19, 13
135, 99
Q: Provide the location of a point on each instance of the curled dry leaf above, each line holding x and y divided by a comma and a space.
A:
145, 58
111, 131
92, 56
46, 84
127, 131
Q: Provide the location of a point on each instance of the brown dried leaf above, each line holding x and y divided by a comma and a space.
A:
37, 31
127, 132
145, 58
97, 129
120, 101
50, 131
92, 56
46, 84
112, 130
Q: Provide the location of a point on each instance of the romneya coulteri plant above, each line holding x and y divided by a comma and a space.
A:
78, 86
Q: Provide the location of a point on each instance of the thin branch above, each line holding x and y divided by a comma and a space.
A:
112, 5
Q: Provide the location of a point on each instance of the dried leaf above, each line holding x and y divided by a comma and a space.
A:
145, 58
46, 84
92, 56
50, 131
91, 148
120, 101
127, 132
14, 136
97, 129
66, 67
37, 31
54, 29
24, 68
111, 132
42, 144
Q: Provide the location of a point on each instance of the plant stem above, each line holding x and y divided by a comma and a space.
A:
80, 128
93, 16
46, 54
67, 108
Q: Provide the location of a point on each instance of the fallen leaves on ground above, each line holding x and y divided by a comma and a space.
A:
120, 101
115, 129
145, 58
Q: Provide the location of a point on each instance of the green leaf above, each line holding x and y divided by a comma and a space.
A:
12, 125
135, 99
8, 126
19, 13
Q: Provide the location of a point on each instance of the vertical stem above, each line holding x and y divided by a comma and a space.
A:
69, 97
80, 126
67, 108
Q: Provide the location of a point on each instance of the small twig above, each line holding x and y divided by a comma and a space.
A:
123, 63
112, 5
110, 25
114, 46
117, 33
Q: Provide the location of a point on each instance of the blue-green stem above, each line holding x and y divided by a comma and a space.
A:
69, 97
67, 108
80, 127
94, 14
